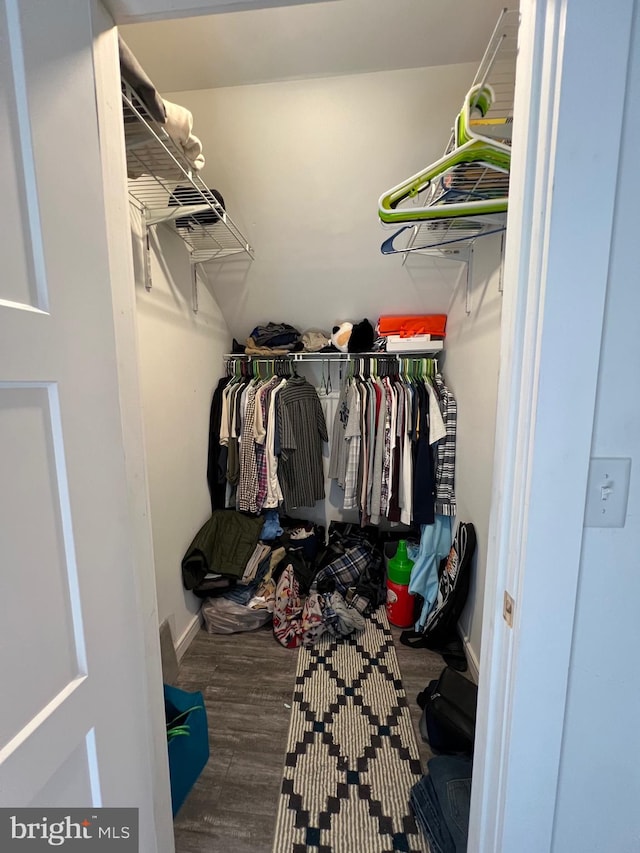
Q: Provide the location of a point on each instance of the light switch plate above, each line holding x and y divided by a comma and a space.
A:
607, 492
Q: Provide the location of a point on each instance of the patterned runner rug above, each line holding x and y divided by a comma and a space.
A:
352, 756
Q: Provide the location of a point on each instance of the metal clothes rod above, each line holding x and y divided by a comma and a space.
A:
333, 356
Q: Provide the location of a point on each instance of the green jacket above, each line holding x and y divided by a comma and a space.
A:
223, 544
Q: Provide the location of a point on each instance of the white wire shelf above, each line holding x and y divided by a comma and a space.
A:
334, 356
469, 182
157, 168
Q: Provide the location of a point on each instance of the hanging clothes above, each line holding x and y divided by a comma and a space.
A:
393, 442
302, 433
272, 431
217, 453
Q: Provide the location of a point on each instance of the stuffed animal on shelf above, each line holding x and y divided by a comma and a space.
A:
340, 336
350, 337
362, 337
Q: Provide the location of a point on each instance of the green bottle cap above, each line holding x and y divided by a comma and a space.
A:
399, 569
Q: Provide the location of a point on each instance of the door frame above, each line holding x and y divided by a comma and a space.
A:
123, 289
556, 265
557, 260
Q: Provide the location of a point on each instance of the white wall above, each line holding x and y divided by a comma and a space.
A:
471, 366
599, 784
180, 363
301, 166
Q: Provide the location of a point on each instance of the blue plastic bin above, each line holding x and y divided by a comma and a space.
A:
188, 754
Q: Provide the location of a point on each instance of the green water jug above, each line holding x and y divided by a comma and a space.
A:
400, 602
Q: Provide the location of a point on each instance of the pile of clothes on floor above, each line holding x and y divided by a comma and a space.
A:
252, 570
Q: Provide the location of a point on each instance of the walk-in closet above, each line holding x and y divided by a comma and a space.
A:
289, 150
316, 432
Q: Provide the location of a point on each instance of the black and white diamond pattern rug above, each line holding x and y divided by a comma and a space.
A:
352, 756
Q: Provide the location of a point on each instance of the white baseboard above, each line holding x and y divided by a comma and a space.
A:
472, 660
188, 635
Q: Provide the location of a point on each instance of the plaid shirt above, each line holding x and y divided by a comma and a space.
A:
353, 439
248, 486
445, 503
346, 569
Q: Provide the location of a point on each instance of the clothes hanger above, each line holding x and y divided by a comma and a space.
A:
469, 147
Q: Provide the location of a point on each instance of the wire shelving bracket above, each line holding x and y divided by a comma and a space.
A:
159, 167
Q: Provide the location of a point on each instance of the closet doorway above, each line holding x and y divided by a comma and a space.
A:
268, 122
500, 795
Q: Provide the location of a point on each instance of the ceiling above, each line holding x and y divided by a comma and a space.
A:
313, 40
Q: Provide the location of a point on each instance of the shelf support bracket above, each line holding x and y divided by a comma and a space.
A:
148, 284
194, 289
467, 299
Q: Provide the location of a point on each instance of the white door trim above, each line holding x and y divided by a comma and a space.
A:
111, 130
556, 265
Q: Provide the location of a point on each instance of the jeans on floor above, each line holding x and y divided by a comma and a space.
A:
441, 800
271, 528
242, 593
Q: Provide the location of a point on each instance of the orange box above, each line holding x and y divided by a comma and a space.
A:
413, 324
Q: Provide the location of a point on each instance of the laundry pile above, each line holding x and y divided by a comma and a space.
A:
347, 582
254, 569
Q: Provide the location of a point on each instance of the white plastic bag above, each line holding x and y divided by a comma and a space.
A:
228, 617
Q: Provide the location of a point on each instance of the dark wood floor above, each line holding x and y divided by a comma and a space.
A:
247, 681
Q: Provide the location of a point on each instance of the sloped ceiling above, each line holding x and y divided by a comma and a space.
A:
311, 40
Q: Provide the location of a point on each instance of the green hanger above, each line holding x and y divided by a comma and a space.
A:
470, 147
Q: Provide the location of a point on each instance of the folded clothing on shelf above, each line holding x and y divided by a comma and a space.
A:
274, 335
412, 324
179, 126
314, 340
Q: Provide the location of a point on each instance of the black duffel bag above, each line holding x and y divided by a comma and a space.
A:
448, 721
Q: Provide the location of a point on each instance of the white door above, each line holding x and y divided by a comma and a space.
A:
74, 723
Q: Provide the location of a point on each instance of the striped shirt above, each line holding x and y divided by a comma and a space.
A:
352, 439
302, 431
